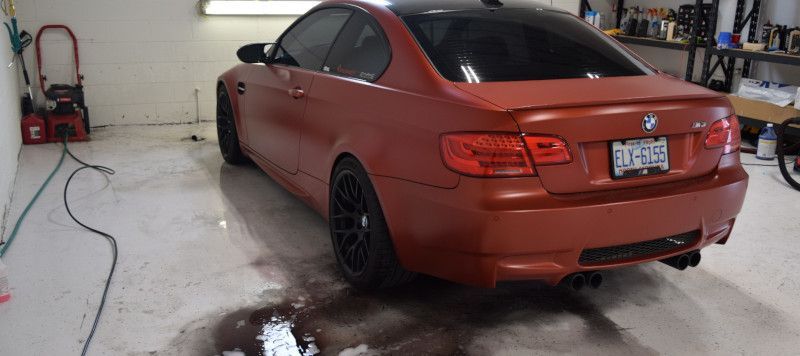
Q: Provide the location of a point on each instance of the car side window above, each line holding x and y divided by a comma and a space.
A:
307, 44
360, 52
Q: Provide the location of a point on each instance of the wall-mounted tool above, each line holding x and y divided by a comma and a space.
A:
13, 31
33, 129
19, 41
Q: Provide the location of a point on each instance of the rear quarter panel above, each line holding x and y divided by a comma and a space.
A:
392, 125
393, 133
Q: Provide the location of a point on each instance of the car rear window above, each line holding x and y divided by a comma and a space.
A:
518, 44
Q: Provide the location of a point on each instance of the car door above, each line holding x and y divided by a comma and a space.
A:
344, 100
277, 92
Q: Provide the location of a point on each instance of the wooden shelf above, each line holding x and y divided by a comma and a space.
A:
652, 42
761, 56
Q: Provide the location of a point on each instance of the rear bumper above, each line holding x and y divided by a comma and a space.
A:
489, 230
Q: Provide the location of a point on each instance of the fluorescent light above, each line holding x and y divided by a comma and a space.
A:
466, 74
470, 74
256, 7
477, 80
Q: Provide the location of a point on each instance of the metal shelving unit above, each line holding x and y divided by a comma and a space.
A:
642, 41
722, 58
726, 58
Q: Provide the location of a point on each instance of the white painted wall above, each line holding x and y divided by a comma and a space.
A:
10, 138
143, 59
572, 6
784, 12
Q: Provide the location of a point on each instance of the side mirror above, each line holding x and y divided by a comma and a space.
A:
254, 53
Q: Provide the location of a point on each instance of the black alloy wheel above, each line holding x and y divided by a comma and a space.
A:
226, 130
362, 244
350, 224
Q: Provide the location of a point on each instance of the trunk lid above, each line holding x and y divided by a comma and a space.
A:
591, 113
585, 92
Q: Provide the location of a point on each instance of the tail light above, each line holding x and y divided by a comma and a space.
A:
548, 150
725, 133
501, 154
486, 155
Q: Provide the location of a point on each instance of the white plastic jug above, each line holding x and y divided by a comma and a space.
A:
5, 291
767, 143
797, 100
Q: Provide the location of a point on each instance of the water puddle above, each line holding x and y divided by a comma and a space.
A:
270, 332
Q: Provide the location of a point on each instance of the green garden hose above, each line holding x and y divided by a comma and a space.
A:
4, 246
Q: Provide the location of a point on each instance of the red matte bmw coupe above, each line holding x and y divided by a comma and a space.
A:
483, 141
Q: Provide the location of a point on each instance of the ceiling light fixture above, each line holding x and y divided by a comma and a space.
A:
256, 7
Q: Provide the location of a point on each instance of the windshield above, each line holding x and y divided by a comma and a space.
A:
518, 44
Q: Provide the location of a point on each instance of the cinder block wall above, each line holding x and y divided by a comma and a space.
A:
142, 59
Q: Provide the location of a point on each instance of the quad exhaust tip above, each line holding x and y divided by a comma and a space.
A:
694, 259
594, 279
684, 261
578, 281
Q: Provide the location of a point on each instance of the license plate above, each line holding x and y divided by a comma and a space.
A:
639, 157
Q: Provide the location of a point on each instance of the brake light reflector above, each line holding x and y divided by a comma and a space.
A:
725, 133
486, 154
548, 150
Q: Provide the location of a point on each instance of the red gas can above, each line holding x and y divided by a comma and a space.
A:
34, 131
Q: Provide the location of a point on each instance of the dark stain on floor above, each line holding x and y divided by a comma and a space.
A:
427, 317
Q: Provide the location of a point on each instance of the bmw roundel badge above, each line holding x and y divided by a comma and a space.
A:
650, 123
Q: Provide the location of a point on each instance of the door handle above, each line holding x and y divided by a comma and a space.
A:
241, 88
297, 93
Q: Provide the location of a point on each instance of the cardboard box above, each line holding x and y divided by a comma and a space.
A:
761, 110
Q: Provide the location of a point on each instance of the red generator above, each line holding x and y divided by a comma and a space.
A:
67, 114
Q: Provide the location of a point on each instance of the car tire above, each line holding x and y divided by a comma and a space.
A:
226, 130
359, 233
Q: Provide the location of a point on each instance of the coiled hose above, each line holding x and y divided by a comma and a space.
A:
781, 152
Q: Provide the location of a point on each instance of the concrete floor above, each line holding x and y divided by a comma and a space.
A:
210, 253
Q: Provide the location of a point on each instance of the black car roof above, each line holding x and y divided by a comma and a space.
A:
408, 7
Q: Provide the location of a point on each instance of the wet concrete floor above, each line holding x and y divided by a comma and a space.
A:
217, 259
